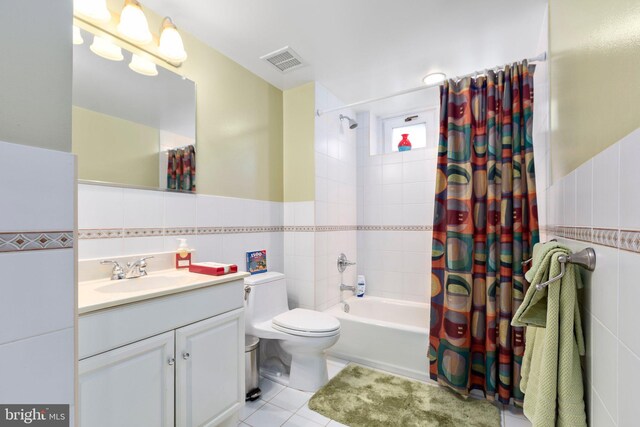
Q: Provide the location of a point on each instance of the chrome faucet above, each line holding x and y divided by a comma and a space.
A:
343, 263
344, 287
135, 269
117, 273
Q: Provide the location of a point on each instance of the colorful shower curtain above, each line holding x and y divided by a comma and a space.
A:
485, 225
181, 169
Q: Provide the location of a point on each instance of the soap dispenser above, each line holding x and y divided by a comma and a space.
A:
183, 255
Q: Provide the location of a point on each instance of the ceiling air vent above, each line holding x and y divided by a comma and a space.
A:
285, 59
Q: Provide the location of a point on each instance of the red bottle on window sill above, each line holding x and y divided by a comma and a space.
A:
405, 144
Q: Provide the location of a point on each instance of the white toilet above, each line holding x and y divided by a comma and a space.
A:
302, 334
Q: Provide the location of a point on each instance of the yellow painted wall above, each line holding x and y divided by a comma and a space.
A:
595, 77
238, 127
105, 150
299, 143
238, 124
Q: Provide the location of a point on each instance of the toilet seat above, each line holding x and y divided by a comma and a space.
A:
306, 323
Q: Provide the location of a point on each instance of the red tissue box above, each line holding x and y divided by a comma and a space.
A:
212, 268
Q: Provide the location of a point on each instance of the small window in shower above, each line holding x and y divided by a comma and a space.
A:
421, 126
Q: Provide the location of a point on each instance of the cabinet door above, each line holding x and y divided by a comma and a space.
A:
129, 386
210, 370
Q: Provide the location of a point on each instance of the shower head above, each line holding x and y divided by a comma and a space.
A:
352, 123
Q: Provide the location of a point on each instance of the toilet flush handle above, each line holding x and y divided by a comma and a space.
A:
247, 291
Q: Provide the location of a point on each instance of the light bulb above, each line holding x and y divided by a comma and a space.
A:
171, 45
106, 49
93, 9
143, 66
434, 78
77, 37
133, 24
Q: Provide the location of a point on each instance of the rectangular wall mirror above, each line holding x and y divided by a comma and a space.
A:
132, 129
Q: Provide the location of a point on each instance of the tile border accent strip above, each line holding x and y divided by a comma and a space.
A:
113, 233
627, 240
102, 233
395, 228
23, 241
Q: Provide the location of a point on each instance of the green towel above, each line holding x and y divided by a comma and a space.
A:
551, 374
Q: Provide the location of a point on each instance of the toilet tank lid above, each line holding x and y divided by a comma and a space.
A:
258, 279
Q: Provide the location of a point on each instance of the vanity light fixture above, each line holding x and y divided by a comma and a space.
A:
142, 65
129, 29
434, 78
93, 9
106, 49
133, 24
77, 37
171, 44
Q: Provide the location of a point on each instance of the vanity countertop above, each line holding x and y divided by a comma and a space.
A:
100, 294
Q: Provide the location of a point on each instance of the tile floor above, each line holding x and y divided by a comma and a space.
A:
287, 407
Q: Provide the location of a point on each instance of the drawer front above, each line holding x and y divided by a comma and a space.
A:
104, 330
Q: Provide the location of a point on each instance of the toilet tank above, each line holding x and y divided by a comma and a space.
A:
268, 296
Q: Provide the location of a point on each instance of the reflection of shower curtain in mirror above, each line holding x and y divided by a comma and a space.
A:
485, 225
181, 169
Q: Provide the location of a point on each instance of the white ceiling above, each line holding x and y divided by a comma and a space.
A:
363, 48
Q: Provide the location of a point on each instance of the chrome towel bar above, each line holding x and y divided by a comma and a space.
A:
586, 259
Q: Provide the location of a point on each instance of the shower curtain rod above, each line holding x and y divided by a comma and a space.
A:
540, 58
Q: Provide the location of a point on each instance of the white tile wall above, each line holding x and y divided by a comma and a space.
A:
629, 181
37, 305
142, 209
37, 189
101, 207
605, 188
37, 293
603, 193
115, 207
299, 254
38, 369
584, 194
336, 199
628, 392
299, 268
394, 189
629, 294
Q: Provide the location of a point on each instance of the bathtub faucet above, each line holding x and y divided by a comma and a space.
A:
343, 263
344, 287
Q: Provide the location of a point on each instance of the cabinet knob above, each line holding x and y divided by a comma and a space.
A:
185, 355
171, 361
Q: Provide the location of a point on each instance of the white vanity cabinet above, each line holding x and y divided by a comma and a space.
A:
176, 360
130, 386
207, 370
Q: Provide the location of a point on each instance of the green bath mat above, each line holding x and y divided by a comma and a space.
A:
362, 397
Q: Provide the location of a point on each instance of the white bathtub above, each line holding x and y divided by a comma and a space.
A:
383, 333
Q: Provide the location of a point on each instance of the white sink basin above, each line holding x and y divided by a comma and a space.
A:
98, 294
147, 283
